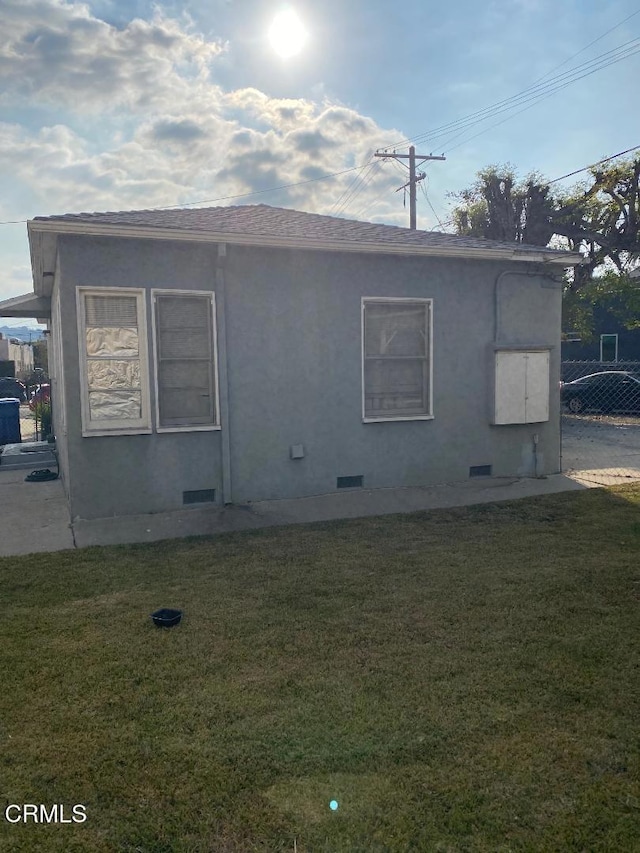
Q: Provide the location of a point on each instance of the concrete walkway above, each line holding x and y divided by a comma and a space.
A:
352, 504
27, 424
34, 516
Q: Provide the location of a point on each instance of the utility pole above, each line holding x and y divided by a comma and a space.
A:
412, 183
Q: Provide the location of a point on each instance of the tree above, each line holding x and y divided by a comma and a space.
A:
603, 220
599, 218
500, 208
41, 355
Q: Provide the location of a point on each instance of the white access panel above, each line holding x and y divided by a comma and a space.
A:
537, 388
521, 387
511, 377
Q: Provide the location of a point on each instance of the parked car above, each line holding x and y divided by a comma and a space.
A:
10, 387
608, 391
42, 394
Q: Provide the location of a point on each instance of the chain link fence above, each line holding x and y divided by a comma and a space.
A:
37, 411
601, 421
34, 395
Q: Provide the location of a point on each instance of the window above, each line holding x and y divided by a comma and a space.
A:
396, 356
608, 347
184, 342
113, 359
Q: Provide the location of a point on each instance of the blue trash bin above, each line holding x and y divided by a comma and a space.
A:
10, 421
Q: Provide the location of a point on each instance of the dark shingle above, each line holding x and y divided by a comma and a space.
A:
261, 220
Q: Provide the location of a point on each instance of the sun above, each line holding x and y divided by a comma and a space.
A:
287, 34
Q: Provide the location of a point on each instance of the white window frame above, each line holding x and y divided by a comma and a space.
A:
404, 300
111, 426
155, 292
602, 337
58, 389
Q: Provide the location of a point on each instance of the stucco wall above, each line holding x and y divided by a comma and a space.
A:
295, 372
293, 329
56, 375
131, 474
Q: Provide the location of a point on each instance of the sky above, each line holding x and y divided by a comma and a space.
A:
129, 104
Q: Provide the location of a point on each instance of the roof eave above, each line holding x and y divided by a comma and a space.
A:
95, 229
42, 249
27, 305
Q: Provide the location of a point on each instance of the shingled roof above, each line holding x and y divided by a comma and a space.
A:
263, 225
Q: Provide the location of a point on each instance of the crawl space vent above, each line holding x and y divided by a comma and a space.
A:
350, 482
480, 471
199, 496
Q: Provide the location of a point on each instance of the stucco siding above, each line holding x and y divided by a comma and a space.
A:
57, 375
294, 371
132, 474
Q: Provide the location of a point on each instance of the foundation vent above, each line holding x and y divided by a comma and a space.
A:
480, 471
350, 482
199, 496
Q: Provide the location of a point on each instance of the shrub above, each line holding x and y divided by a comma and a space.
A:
42, 412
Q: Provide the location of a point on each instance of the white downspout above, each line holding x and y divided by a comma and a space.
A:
221, 314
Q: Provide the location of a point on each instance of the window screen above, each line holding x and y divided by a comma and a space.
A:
111, 311
185, 360
396, 359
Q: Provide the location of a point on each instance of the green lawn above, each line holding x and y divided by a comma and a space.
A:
459, 680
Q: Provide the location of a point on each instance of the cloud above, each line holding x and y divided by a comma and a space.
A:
284, 113
166, 133
16, 280
59, 53
23, 152
311, 142
58, 168
20, 273
178, 130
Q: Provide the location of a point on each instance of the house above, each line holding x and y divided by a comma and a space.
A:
240, 354
612, 342
17, 356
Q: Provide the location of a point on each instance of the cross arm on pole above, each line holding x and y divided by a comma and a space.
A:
413, 178
422, 157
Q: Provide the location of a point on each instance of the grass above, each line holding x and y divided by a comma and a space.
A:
459, 680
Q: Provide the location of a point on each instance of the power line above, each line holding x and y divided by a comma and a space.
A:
535, 92
584, 168
421, 136
273, 189
355, 188
352, 184
269, 190
372, 201
587, 46
414, 178
372, 176
571, 174
529, 106
428, 200
228, 197
464, 123
369, 203
531, 96
536, 89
